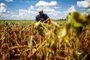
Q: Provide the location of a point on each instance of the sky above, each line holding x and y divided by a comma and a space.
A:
28, 9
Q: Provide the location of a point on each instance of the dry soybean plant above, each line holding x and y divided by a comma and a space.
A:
40, 41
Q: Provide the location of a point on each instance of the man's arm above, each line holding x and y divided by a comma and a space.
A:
47, 19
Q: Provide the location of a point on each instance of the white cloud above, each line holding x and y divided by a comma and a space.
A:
9, 0
16, 15
3, 8
53, 13
84, 4
31, 13
22, 12
86, 0
70, 9
31, 10
31, 7
52, 3
89, 10
41, 3
26, 13
44, 3
2, 4
56, 7
48, 9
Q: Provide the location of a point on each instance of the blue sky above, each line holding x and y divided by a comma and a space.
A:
28, 9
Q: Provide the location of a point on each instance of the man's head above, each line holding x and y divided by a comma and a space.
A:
40, 12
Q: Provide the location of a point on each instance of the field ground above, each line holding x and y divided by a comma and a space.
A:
25, 40
27, 21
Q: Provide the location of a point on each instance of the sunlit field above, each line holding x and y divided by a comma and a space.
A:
28, 21
61, 40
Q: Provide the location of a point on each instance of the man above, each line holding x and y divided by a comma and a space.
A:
43, 17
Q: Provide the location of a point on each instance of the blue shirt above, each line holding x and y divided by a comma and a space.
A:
43, 17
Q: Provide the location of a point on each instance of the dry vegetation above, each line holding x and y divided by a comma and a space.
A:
41, 41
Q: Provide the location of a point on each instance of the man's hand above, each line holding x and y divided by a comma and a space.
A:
41, 20
48, 21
